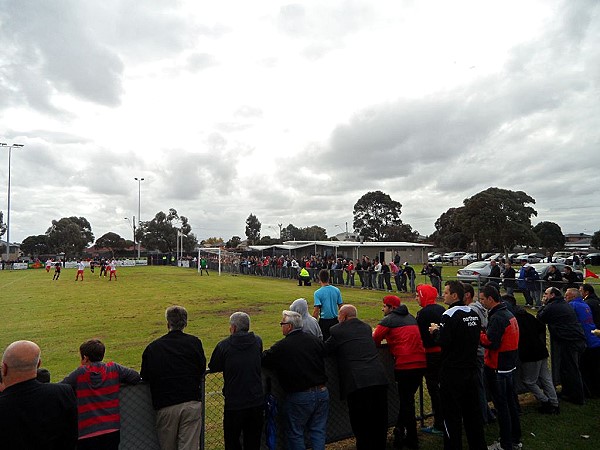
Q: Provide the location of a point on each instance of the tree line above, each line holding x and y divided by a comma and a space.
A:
495, 218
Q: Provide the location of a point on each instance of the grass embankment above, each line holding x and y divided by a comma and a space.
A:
129, 313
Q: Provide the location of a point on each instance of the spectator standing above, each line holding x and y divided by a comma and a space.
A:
458, 335
386, 275
410, 274
570, 278
401, 332
533, 356
533, 286
567, 341
521, 283
553, 278
327, 299
239, 358
34, 415
309, 324
508, 278
350, 272
494, 272
501, 342
473, 302
174, 366
589, 296
97, 386
429, 313
298, 361
590, 359
363, 381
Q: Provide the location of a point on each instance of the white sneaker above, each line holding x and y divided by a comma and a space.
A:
495, 446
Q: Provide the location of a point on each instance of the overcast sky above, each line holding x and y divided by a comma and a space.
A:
293, 111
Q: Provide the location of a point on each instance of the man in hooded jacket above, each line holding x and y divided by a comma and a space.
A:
401, 332
430, 313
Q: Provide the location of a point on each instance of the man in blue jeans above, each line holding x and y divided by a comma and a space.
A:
298, 361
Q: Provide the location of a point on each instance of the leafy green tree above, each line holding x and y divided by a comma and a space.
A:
213, 242
312, 233
500, 218
69, 235
253, 229
596, 240
233, 242
375, 215
35, 245
160, 233
267, 240
112, 241
550, 236
401, 233
448, 232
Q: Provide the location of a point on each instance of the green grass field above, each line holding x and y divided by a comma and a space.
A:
129, 313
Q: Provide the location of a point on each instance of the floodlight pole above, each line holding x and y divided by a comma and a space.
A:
10, 147
139, 180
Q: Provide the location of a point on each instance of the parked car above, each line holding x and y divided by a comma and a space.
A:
435, 258
475, 272
452, 256
468, 258
560, 257
496, 256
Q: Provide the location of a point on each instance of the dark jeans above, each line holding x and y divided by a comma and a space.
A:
108, 441
408, 383
243, 422
460, 403
590, 371
570, 376
367, 408
386, 280
507, 408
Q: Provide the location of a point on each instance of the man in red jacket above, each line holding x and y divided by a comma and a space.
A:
501, 343
400, 330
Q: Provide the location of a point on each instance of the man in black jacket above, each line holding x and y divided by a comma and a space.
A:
568, 343
363, 381
174, 365
589, 296
34, 415
533, 355
458, 335
238, 357
298, 361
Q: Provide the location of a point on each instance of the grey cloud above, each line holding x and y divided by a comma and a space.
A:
51, 41
248, 112
201, 61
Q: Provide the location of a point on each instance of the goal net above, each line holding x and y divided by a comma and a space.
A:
217, 259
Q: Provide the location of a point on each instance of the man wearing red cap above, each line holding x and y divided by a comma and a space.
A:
400, 330
430, 313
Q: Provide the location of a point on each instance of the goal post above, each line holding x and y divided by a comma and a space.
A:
222, 259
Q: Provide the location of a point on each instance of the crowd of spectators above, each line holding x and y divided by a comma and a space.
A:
473, 346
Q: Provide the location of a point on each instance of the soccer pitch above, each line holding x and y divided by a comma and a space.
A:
127, 314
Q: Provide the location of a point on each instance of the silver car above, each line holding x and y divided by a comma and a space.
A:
475, 272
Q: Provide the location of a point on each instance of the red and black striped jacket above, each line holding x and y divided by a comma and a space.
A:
501, 339
97, 389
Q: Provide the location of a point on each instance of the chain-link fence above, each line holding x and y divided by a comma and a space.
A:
138, 429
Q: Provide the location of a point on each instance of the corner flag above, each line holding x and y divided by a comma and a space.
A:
589, 273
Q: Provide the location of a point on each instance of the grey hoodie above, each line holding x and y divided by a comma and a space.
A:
309, 323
